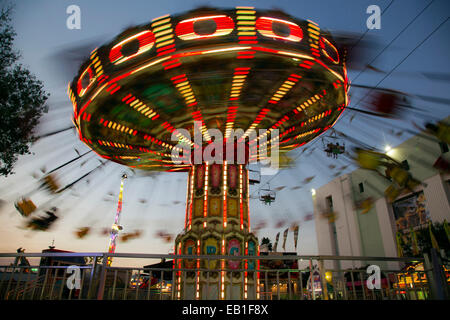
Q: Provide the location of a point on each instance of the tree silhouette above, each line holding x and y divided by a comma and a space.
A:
22, 99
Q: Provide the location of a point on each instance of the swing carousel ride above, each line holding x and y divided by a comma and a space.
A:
136, 99
142, 99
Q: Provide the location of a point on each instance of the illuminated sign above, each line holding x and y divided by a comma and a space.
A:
279, 29
132, 47
204, 27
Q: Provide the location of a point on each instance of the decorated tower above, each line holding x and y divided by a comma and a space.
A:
115, 229
217, 223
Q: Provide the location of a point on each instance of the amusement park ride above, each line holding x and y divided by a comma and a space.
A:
332, 146
266, 195
116, 227
136, 99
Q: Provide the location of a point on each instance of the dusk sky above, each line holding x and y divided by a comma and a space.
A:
42, 37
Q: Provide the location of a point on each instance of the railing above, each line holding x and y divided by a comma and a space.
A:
329, 280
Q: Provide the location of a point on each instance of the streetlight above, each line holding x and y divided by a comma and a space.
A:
389, 150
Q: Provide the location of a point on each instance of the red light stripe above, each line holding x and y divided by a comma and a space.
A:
165, 52
130, 100
84, 108
170, 62
172, 66
111, 86
165, 47
246, 52
126, 97
177, 77
179, 80
120, 77
115, 90
248, 37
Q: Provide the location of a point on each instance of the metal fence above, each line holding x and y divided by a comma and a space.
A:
276, 277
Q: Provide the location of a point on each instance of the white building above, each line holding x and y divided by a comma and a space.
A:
354, 233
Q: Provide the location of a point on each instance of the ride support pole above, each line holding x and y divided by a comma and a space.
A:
101, 287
